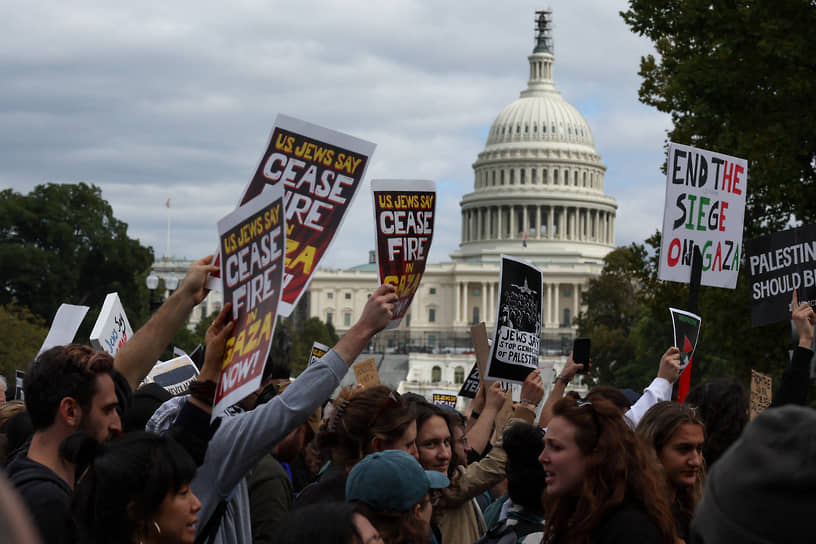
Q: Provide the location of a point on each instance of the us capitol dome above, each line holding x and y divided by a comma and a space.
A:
538, 195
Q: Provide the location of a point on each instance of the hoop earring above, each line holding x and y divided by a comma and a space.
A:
156, 525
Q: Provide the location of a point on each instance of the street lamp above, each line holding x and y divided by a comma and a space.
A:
152, 282
171, 282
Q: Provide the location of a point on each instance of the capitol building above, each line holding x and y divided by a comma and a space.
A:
538, 195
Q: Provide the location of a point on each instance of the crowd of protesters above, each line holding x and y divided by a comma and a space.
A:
92, 458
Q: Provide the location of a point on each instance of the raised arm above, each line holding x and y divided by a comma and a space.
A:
479, 435
557, 392
660, 389
793, 388
138, 355
378, 311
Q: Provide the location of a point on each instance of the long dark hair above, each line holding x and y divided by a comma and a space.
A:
125, 484
617, 470
722, 404
323, 523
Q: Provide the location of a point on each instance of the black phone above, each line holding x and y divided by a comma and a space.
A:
580, 353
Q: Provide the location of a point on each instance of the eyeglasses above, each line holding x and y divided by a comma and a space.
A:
393, 400
595, 421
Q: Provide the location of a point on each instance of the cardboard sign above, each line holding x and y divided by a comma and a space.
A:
778, 264
517, 336
686, 327
253, 240
761, 392
705, 206
318, 351
175, 375
64, 326
366, 373
112, 328
471, 386
404, 217
321, 170
443, 398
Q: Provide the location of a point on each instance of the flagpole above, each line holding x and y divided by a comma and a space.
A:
167, 252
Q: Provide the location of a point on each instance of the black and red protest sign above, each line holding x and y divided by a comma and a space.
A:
321, 170
404, 216
253, 239
686, 328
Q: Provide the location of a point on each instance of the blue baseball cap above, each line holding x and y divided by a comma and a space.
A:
391, 481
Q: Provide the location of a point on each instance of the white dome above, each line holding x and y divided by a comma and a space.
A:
541, 117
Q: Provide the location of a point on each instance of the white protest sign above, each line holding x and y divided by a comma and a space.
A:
112, 328
174, 375
65, 326
705, 207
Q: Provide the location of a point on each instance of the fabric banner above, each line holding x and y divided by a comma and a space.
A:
112, 328
777, 264
705, 207
253, 239
471, 386
686, 327
443, 398
517, 335
404, 218
321, 171
318, 351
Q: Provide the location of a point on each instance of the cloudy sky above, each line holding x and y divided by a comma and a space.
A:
175, 100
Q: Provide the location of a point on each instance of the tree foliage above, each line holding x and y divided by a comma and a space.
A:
739, 77
627, 318
22, 335
303, 336
61, 243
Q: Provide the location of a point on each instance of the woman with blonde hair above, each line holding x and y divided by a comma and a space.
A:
676, 434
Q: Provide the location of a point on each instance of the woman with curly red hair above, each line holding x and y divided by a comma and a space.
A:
601, 487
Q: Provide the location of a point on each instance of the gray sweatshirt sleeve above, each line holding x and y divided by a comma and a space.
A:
242, 440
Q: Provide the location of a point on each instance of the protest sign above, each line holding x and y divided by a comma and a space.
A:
761, 392
481, 344
443, 398
404, 218
19, 376
777, 264
112, 328
321, 170
471, 385
175, 375
253, 239
686, 327
366, 373
64, 326
318, 351
516, 338
705, 206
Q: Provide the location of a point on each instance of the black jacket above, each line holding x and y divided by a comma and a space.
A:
47, 496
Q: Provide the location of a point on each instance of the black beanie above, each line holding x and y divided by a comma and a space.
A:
763, 488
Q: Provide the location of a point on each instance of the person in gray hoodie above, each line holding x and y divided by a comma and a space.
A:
243, 438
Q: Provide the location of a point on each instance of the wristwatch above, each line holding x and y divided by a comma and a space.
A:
564, 379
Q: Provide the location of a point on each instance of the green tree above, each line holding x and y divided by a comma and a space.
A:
309, 331
23, 334
739, 77
61, 243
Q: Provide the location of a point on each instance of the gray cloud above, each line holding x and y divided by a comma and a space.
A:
175, 100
